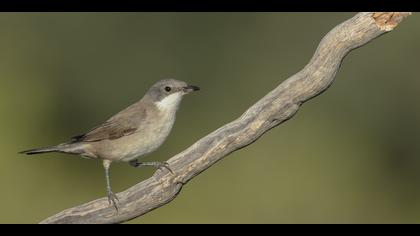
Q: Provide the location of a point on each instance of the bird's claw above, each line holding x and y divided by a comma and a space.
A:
165, 165
113, 199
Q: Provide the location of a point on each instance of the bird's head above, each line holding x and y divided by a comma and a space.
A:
168, 93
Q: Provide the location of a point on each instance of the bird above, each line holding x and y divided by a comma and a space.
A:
133, 132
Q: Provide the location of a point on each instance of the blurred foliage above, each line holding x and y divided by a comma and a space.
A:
350, 155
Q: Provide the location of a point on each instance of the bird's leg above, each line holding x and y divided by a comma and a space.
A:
159, 165
112, 198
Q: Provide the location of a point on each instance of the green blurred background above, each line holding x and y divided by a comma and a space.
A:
351, 155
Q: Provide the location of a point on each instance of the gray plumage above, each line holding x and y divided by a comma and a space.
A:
135, 131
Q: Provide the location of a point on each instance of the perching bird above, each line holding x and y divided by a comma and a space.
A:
135, 131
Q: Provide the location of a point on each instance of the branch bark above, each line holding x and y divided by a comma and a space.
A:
273, 109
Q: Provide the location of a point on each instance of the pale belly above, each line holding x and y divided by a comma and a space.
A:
132, 146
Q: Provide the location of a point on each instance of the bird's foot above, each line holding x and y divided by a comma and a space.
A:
113, 199
158, 165
164, 165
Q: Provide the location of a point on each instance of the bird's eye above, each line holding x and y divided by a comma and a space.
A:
167, 88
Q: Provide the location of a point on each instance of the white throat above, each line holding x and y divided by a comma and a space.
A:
170, 102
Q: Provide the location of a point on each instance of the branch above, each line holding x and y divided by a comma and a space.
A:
276, 107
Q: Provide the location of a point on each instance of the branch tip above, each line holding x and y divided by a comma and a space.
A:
389, 20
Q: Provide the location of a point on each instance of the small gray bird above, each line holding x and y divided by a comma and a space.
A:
135, 131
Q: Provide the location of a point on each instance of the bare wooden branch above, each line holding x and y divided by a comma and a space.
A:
276, 107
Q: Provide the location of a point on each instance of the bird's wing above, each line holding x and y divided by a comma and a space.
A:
108, 130
122, 124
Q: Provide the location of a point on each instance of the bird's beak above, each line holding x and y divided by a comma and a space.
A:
190, 88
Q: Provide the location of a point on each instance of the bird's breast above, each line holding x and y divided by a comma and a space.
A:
150, 137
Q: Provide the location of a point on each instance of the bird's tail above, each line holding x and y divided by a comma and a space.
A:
57, 148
